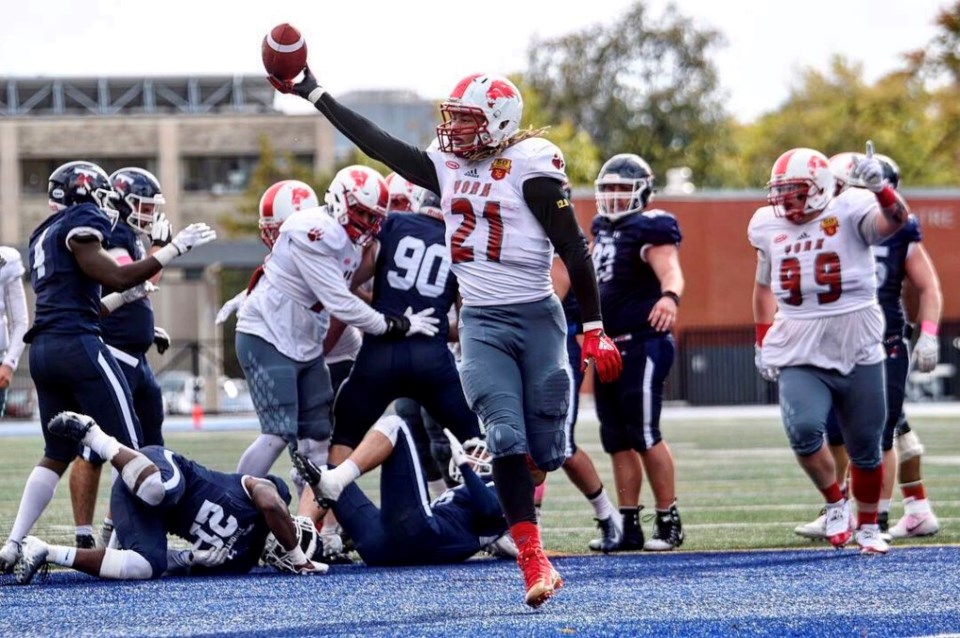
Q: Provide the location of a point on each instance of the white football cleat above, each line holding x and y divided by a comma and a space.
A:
916, 521
9, 555
837, 528
814, 530
870, 541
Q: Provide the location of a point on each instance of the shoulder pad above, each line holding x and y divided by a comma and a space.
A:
88, 216
660, 227
763, 219
539, 158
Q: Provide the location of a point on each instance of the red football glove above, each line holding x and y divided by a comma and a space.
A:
605, 355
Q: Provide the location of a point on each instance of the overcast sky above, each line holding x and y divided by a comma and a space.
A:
428, 45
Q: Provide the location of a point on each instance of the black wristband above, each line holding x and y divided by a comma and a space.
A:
397, 326
672, 295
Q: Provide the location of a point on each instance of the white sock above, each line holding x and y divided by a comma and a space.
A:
261, 455
37, 494
602, 506
920, 506
84, 530
61, 555
437, 487
332, 482
102, 443
883, 505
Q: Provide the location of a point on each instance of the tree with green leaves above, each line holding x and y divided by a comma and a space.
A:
643, 84
270, 168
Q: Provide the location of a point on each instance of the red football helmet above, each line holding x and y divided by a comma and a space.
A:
358, 199
483, 110
801, 184
279, 202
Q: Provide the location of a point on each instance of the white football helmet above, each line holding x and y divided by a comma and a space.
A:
358, 199
801, 184
403, 194
279, 202
479, 457
842, 165
276, 556
483, 110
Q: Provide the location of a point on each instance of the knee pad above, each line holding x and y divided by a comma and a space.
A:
151, 489
389, 426
504, 439
552, 396
909, 446
125, 564
316, 451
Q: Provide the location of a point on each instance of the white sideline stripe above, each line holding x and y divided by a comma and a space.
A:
284, 48
121, 399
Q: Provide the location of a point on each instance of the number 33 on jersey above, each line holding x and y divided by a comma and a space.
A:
823, 267
500, 252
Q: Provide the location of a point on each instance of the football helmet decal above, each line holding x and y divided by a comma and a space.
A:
139, 198
801, 184
482, 111
279, 202
78, 182
624, 186
358, 199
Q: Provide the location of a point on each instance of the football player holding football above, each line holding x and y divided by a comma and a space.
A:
505, 212
820, 326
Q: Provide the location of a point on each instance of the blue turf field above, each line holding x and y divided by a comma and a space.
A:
822, 592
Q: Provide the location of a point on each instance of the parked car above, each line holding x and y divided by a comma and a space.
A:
180, 390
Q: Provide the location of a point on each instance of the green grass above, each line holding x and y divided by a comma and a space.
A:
738, 484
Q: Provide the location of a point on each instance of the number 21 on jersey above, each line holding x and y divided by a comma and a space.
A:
490, 215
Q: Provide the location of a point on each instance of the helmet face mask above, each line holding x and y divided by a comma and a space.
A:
139, 200
624, 186
357, 198
279, 202
801, 185
482, 111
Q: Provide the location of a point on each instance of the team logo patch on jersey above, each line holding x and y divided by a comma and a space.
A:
315, 234
500, 168
830, 226
558, 162
472, 173
452, 165
780, 238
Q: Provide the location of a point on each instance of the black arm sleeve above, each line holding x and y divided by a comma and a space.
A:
406, 159
549, 204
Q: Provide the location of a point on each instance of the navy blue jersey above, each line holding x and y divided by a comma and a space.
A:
68, 301
469, 517
891, 258
130, 327
413, 268
629, 287
211, 509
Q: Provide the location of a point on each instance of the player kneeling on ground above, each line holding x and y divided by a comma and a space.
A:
408, 529
230, 519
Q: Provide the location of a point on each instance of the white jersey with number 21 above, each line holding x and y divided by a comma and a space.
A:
499, 251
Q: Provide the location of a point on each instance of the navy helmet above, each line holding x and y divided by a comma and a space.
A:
80, 182
139, 197
624, 186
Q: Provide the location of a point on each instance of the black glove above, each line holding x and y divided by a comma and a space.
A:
161, 339
303, 88
397, 326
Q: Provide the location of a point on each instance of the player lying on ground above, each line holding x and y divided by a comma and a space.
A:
229, 518
408, 529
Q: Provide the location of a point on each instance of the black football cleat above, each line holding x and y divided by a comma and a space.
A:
71, 425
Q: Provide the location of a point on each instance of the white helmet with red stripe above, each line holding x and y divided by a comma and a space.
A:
279, 202
403, 194
801, 184
358, 198
482, 111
